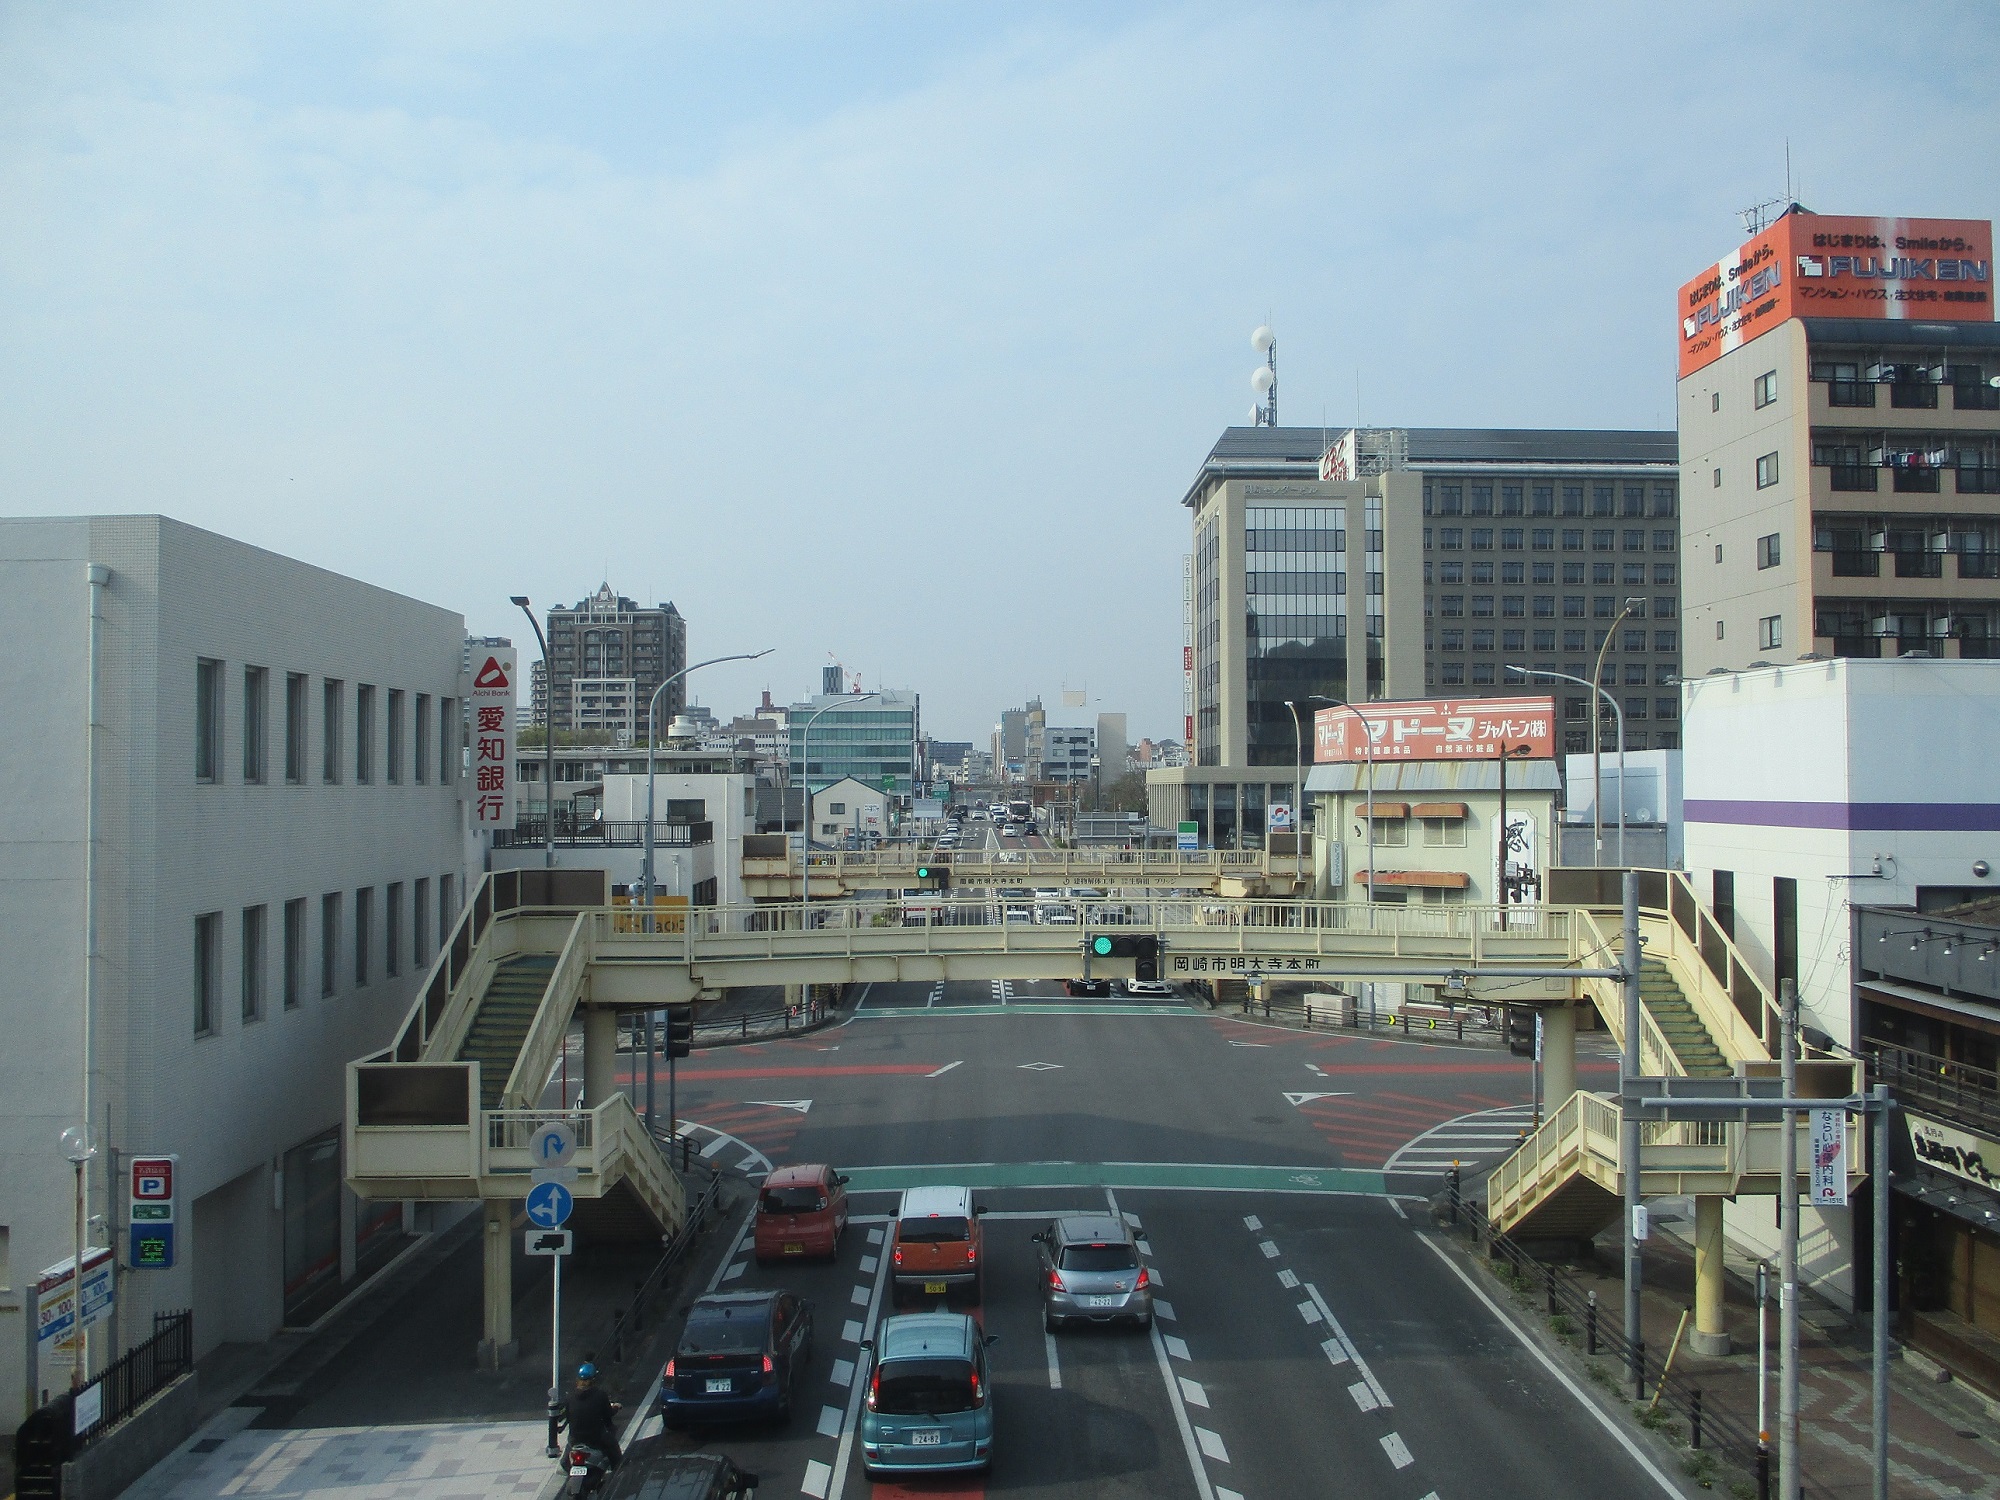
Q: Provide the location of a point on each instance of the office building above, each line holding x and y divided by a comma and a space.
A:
871, 737
604, 638
1068, 755
1394, 562
249, 770
1840, 439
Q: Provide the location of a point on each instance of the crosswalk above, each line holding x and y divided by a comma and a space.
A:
1470, 1140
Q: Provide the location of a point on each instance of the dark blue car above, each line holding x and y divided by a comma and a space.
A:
738, 1359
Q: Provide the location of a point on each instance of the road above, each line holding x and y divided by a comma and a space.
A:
1312, 1337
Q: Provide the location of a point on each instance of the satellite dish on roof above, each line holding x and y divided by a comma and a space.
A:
1263, 338
1261, 379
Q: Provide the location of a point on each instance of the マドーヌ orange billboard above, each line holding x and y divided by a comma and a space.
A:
1437, 729
1825, 266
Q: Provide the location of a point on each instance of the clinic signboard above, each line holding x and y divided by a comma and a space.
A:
1436, 729
1832, 266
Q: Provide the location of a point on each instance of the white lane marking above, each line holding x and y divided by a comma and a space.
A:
1316, 1068
1398, 1451
1178, 1348
1252, 1223
859, 1296
1144, 1248
944, 1070
1192, 1445
1039, 1067
1309, 1312
1055, 1366
868, 1264
643, 1410
733, 1272
1363, 1397
1193, 1394
817, 1475
1132, 1219
875, 1235
715, 1145
1164, 1310
1400, 1211
1360, 1364
1269, 1247
1332, 1350
800, 1106
1548, 1364
1308, 1098
1288, 1280
854, 1394
829, 1421
1249, 1044
850, 1332
1211, 1444
1481, 1128
843, 1372
1152, 1273
936, 991
1222, 1494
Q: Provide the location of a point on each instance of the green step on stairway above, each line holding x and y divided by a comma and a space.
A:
506, 1011
1668, 1005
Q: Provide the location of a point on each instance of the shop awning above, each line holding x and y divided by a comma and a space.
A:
1380, 810
1438, 810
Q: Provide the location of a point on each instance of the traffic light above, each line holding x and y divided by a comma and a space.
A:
1520, 1031
1144, 950
934, 877
680, 1031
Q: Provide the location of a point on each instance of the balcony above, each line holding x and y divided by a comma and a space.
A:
1916, 481
1942, 1087
1855, 478
1975, 398
1919, 565
1914, 395
1850, 393
1979, 565
1857, 565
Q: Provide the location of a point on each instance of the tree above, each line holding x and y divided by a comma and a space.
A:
1127, 794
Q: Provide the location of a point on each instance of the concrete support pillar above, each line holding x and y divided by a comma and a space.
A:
1558, 1057
600, 1056
1711, 1333
496, 1345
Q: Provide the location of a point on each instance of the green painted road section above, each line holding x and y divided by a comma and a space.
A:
1019, 1008
1194, 1177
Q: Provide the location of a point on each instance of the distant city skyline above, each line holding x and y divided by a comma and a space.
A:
889, 331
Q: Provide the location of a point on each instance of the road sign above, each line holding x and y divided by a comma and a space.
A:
550, 1241
55, 1300
149, 1212
1829, 1158
549, 1205
1187, 838
552, 1144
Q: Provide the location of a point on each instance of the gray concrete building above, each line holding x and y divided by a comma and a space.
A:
602, 639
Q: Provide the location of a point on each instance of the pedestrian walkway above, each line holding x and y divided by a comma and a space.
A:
1465, 1142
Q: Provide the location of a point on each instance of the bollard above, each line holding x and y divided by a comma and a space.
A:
1451, 1183
746, 1028
1639, 1365
1461, 1026
1590, 1324
1694, 1419
1406, 1021
1763, 1469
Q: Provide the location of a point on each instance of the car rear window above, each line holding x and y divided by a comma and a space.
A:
713, 1333
790, 1200
941, 1229
925, 1387
1099, 1258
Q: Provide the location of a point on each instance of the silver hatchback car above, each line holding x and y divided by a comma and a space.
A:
1091, 1273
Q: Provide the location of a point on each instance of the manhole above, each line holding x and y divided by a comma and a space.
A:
206, 1445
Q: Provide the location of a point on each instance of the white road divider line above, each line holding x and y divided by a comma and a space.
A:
1211, 1444
829, 1421
859, 1296
854, 1394
850, 1332
1162, 1309
1193, 1394
1288, 1279
1645, 1463
1144, 1248
1360, 1364
716, 1145
1363, 1397
1332, 1349
1398, 1451
1252, 1223
1398, 1208
1178, 1348
1055, 1366
1269, 1247
1193, 1446
1310, 1312
733, 1272
1222, 1494
817, 1476
843, 1372
869, 1263
1153, 1274
1132, 1219
944, 1070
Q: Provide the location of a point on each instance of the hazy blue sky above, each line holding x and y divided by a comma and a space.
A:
889, 331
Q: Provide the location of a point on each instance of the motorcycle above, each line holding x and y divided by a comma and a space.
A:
586, 1468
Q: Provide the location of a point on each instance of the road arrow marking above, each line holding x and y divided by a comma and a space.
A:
1296, 1099
1040, 1067
801, 1105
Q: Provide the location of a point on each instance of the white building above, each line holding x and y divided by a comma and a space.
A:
1067, 754
698, 853
606, 706
1818, 786
267, 823
848, 809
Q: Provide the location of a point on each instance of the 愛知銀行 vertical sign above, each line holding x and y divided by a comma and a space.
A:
492, 701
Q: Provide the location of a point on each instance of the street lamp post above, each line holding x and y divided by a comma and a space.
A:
1596, 765
548, 733
805, 798
77, 1148
652, 746
1597, 739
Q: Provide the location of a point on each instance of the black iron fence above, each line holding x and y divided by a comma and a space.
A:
1956, 1091
56, 1433
628, 1324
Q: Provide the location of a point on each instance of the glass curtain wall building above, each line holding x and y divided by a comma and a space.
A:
874, 741
1295, 618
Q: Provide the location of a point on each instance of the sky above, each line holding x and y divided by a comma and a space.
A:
889, 334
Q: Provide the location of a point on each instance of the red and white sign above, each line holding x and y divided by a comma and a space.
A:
1437, 729
493, 738
152, 1179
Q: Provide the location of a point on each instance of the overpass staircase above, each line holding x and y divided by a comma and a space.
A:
1703, 1014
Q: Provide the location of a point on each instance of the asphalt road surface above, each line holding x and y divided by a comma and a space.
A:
1312, 1337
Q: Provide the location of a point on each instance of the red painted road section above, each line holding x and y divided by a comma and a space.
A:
843, 1070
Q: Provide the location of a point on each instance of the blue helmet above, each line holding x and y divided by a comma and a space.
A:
586, 1371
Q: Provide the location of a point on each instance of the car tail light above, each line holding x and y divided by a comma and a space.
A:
899, 1255
977, 1399
767, 1364
1055, 1280
668, 1373
874, 1388
1144, 1281
971, 1254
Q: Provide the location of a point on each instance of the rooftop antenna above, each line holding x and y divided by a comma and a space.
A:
1264, 379
1760, 216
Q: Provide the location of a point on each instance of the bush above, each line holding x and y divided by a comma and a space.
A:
1700, 1467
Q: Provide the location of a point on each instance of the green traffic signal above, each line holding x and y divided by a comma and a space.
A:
923, 872
1101, 946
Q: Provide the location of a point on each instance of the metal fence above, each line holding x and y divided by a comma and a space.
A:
138, 1374
530, 832
628, 1324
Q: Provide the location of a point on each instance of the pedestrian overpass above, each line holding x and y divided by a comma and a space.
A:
445, 1111
771, 869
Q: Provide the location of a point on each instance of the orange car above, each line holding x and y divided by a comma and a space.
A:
938, 1248
801, 1211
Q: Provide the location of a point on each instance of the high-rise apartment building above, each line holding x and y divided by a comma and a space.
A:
1394, 562
603, 639
1839, 411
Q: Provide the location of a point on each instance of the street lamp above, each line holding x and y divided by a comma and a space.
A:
1597, 761
1368, 739
806, 797
652, 744
80, 1153
548, 733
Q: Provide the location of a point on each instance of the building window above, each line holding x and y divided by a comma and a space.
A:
1545, 572
207, 971
1482, 539
1453, 673
364, 735
448, 727
330, 730
364, 937
1767, 471
836, 809
1451, 572
1545, 640
1482, 500
1482, 639
1514, 607
1663, 502
1451, 539
1510, 500
1764, 390
1664, 606
1451, 640
295, 728
1544, 499
1603, 540
1392, 833
1635, 708
1444, 833
256, 696
1572, 539
1770, 632
1573, 641
1572, 499
1513, 640
1666, 708
1718, 630
329, 944
1451, 499
295, 952
1767, 551
1482, 606
1544, 539
1663, 575
422, 763
1716, 479
253, 963
420, 925
1603, 607
1482, 673
207, 718
1665, 541
1601, 500
392, 929
1513, 572
394, 767
1715, 401
1635, 640
1635, 500
1510, 539
1545, 606
1451, 606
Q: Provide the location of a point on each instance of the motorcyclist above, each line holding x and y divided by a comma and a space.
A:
591, 1415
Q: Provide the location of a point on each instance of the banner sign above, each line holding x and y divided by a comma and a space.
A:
55, 1300
1442, 729
1958, 1152
493, 738
1829, 1158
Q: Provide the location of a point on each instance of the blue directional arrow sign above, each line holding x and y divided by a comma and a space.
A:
549, 1204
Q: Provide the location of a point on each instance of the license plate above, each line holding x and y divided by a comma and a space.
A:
926, 1439
719, 1383
578, 1471
934, 1289
1102, 1301
795, 1249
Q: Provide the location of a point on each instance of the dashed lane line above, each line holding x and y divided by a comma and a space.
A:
1193, 1445
829, 1421
1055, 1365
855, 1392
843, 1372
818, 1474
1212, 1445
1193, 1394
1346, 1343
1398, 1451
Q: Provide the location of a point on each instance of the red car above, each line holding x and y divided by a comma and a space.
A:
801, 1211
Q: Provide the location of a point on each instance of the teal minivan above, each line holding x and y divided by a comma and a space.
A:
930, 1397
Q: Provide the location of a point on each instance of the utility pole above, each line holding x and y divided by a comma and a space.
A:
1788, 1252
1628, 1144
